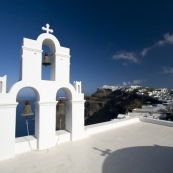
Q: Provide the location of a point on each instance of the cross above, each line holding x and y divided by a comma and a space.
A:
106, 152
47, 29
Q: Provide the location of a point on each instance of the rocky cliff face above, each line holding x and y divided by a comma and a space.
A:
105, 105
96, 102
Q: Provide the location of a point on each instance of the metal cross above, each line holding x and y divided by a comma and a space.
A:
47, 29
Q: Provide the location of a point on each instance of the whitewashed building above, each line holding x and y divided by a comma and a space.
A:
45, 91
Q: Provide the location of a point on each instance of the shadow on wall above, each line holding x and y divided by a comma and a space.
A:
147, 159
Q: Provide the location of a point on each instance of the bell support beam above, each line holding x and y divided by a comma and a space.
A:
45, 124
7, 130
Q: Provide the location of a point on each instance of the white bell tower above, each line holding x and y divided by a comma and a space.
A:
31, 57
45, 90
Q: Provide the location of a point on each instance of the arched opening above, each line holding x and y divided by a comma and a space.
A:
79, 89
45, 69
60, 110
63, 109
31, 95
48, 69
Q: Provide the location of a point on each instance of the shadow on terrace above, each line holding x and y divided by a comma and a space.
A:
144, 159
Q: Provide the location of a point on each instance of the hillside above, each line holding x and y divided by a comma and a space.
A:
105, 105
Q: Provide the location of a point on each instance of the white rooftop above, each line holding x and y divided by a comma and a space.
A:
135, 148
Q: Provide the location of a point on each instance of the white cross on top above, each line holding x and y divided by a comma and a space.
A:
47, 29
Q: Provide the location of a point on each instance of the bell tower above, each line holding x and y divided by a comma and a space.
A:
31, 57
45, 91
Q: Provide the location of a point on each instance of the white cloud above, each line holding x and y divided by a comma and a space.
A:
126, 55
124, 83
167, 70
138, 81
135, 82
168, 39
145, 51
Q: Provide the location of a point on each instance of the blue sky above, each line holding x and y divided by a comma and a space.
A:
111, 42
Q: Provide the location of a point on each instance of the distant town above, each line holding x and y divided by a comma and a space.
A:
163, 95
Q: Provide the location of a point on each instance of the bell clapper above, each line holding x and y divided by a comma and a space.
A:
27, 125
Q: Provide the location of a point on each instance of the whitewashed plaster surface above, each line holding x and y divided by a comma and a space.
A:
45, 90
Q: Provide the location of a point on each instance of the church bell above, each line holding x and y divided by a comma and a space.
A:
27, 109
60, 109
46, 61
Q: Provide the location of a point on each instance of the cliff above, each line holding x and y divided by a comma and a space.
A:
105, 105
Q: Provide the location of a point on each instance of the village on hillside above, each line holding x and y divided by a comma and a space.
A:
163, 95
162, 109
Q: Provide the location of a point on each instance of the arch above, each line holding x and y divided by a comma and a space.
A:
68, 92
61, 118
20, 120
66, 120
46, 71
14, 90
35, 91
79, 89
53, 44
50, 41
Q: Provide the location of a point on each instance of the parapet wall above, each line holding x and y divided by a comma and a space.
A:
156, 121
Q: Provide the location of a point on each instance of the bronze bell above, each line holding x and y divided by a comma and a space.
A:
60, 115
27, 109
60, 109
46, 61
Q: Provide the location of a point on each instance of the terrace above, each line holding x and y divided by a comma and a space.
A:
124, 147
